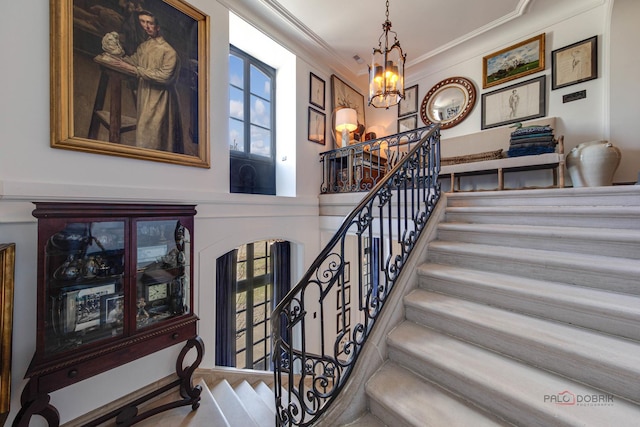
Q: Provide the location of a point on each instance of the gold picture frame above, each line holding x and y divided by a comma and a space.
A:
7, 266
114, 93
513, 62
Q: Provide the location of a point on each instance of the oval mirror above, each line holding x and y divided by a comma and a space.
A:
449, 102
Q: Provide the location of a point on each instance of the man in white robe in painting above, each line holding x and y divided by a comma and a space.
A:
157, 65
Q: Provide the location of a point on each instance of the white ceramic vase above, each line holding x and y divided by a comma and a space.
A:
592, 164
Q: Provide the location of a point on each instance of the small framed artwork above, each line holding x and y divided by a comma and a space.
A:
513, 62
112, 310
347, 272
81, 308
344, 293
343, 95
344, 319
409, 105
515, 103
316, 91
575, 63
407, 123
100, 69
317, 125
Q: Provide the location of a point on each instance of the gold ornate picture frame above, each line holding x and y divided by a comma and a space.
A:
513, 62
7, 266
131, 82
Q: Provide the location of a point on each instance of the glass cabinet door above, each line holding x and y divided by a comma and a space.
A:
84, 263
163, 266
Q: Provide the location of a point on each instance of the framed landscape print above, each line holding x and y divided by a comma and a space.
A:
575, 63
516, 61
515, 103
104, 100
316, 91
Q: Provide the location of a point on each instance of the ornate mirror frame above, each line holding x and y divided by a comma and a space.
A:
468, 92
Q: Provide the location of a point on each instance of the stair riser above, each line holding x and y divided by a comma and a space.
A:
602, 196
551, 218
399, 397
542, 269
499, 403
600, 319
588, 369
556, 243
387, 414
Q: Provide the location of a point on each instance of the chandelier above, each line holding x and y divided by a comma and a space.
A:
386, 72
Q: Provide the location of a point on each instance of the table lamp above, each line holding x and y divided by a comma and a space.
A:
346, 121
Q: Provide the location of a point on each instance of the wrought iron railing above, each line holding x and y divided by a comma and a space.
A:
320, 327
359, 167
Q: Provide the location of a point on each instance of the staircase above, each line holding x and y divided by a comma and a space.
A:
526, 312
222, 405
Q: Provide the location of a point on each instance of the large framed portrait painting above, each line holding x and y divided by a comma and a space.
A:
131, 78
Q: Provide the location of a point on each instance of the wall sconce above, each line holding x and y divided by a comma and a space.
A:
346, 121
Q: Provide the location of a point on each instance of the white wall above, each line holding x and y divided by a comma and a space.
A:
625, 86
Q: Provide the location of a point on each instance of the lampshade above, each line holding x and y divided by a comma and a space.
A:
346, 118
386, 72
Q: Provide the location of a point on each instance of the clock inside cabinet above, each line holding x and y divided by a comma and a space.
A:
114, 285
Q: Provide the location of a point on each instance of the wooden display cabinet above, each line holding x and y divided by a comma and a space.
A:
114, 285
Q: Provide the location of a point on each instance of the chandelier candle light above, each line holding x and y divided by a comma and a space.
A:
386, 72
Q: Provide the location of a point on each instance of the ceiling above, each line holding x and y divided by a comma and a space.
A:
353, 27
341, 29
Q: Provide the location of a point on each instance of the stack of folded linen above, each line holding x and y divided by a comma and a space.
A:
531, 140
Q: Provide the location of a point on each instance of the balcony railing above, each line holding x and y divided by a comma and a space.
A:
359, 167
321, 325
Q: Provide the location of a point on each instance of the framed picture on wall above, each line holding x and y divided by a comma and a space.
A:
515, 103
343, 95
96, 80
575, 63
407, 123
317, 126
409, 105
513, 62
316, 91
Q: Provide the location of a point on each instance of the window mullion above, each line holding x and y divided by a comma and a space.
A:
250, 302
